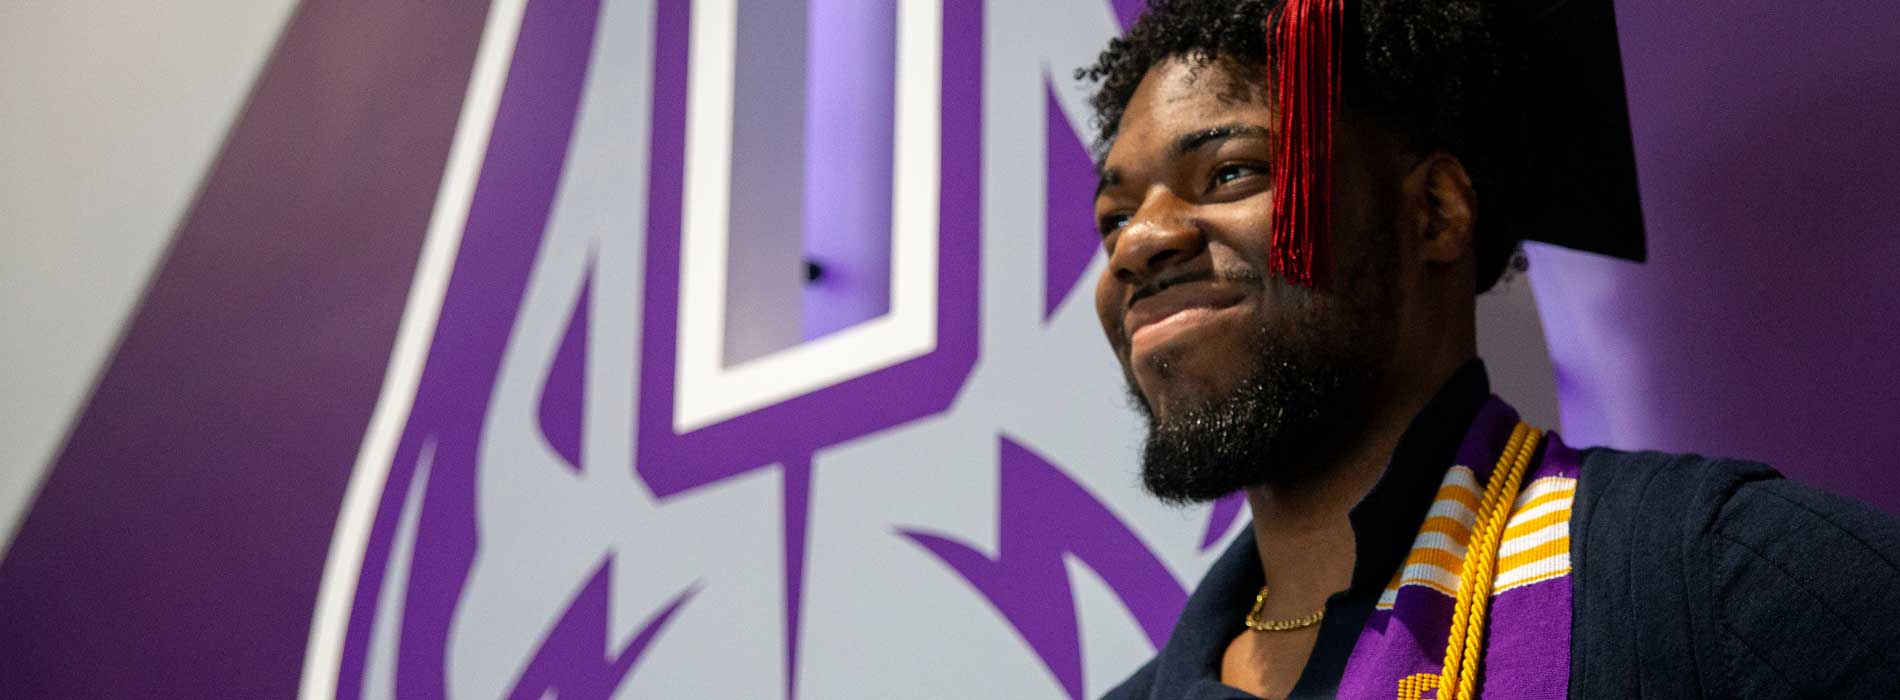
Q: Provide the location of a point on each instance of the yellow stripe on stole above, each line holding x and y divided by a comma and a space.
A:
1466, 494
1539, 544
1536, 545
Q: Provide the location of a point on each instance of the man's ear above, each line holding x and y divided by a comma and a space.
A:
1445, 207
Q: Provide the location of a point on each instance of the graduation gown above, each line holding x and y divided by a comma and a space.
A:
1692, 577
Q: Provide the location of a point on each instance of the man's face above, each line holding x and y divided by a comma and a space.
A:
1240, 373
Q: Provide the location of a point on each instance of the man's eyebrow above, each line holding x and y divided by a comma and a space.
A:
1188, 143
1110, 177
1193, 141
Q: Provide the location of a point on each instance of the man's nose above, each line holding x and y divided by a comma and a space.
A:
1161, 235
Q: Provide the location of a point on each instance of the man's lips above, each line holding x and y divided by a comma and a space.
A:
1178, 305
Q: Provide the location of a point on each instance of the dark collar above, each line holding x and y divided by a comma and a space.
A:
1383, 524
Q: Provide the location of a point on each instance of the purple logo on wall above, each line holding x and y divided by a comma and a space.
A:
547, 440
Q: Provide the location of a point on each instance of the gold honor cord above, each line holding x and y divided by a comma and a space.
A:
1476, 574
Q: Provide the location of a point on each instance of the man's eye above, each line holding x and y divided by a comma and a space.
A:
1229, 173
1112, 223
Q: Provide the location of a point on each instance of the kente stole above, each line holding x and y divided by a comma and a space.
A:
1525, 644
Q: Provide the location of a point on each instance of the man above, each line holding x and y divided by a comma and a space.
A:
1292, 301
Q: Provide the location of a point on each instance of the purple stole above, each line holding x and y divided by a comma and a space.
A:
1526, 652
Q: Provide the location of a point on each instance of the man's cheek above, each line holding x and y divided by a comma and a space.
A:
1108, 312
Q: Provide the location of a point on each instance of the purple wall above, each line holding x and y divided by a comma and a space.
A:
176, 546
1763, 325
847, 217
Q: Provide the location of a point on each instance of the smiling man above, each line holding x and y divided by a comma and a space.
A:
1300, 205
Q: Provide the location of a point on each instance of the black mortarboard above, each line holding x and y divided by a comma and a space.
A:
1580, 190
1577, 185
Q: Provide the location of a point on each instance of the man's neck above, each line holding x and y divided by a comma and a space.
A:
1307, 546
1302, 528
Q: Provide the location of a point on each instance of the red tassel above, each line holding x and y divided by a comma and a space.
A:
1306, 66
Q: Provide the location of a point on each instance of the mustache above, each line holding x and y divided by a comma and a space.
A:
1238, 276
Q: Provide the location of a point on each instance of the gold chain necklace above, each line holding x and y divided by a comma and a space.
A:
1474, 585
1255, 623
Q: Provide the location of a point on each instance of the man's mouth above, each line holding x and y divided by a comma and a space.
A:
1155, 317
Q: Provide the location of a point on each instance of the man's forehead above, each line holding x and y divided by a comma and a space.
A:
1188, 82
1179, 100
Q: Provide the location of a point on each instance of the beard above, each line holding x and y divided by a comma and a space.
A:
1305, 390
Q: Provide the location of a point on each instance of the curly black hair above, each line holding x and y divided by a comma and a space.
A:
1430, 68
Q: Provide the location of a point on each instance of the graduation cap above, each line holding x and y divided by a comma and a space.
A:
1582, 190
1579, 189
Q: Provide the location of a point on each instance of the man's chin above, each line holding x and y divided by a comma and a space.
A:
1186, 484
1266, 430
1171, 490
1202, 453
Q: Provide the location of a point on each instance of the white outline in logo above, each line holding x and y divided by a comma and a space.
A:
323, 654
706, 391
